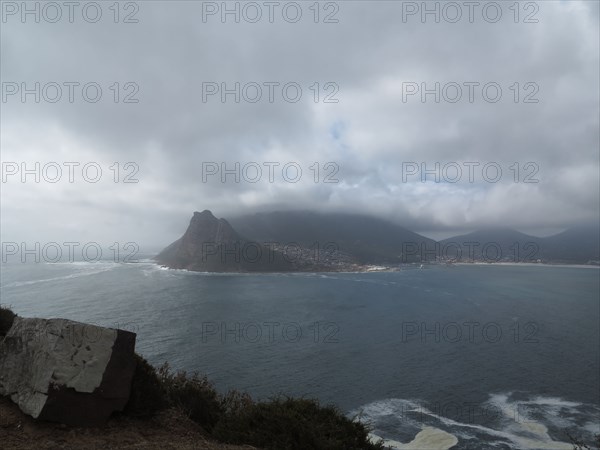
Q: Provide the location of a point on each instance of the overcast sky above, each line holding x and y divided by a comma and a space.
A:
370, 143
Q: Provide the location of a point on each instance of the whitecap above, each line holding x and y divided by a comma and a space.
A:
83, 273
513, 427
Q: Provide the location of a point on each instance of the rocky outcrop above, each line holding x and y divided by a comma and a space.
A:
212, 245
66, 371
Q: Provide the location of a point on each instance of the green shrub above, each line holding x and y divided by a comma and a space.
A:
290, 424
153, 390
7, 318
147, 391
193, 394
235, 402
282, 423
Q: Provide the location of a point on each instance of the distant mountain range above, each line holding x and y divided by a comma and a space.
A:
309, 241
579, 245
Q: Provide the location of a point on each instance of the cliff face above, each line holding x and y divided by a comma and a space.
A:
204, 232
212, 245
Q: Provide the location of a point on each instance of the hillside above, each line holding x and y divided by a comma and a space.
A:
578, 245
575, 245
493, 245
368, 239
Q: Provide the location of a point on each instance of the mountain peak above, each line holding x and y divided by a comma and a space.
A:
212, 245
205, 213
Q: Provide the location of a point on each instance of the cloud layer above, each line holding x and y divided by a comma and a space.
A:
363, 153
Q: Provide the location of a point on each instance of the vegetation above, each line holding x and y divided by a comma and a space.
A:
288, 423
6, 320
147, 395
281, 423
193, 394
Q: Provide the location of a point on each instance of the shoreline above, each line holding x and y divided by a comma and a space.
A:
512, 264
415, 266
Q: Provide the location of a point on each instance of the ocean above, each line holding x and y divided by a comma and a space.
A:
490, 356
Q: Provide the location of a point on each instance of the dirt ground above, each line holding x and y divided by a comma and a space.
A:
169, 430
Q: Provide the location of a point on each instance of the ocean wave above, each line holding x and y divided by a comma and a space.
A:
84, 263
517, 424
85, 269
154, 268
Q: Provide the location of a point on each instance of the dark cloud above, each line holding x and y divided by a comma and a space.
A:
370, 134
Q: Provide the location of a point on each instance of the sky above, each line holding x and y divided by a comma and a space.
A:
117, 122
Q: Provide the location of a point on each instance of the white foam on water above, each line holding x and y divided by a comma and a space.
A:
517, 427
150, 268
90, 268
553, 401
155, 268
556, 411
592, 427
83, 263
396, 407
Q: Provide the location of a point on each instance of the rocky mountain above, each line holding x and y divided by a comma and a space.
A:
212, 245
307, 241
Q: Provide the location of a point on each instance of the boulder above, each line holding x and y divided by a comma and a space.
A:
65, 371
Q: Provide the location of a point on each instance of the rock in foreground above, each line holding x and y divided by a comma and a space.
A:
65, 371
